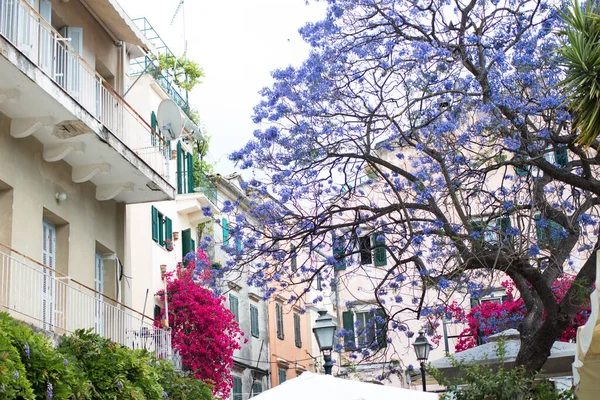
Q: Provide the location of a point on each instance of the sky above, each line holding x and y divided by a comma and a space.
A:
238, 43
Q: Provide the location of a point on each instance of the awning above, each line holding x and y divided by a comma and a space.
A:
118, 22
325, 387
558, 364
586, 368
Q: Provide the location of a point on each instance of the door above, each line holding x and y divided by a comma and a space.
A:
46, 39
48, 290
99, 303
68, 69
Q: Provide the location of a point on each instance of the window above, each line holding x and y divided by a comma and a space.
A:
294, 259
254, 321
279, 320
365, 329
236, 390
364, 243
162, 228
281, 375
297, 331
319, 282
372, 249
549, 233
188, 245
233, 307
185, 171
558, 156
494, 231
225, 226
495, 296
256, 388
339, 252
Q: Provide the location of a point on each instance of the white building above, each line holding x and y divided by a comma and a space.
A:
73, 154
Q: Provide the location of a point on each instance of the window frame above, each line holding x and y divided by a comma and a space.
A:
162, 228
358, 339
281, 372
237, 383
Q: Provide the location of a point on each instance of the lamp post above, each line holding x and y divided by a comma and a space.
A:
422, 347
324, 331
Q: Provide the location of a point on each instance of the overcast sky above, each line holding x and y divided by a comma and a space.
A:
237, 43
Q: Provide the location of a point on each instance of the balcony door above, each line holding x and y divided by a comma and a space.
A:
99, 299
68, 67
48, 289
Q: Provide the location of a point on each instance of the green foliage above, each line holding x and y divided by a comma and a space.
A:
483, 381
44, 367
186, 73
581, 54
179, 386
85, 367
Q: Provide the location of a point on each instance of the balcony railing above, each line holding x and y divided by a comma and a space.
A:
21, 25
41, 296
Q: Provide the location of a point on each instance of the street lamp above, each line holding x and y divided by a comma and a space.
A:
324, 331
422, 347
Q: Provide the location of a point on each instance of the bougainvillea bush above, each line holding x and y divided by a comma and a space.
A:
204, 331
490, 317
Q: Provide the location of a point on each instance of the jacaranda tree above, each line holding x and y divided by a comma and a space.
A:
204, 331
435, 126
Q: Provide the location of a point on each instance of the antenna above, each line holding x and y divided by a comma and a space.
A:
169, 118
176, 11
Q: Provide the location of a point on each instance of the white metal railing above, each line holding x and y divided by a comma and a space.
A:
57, 57
41, 296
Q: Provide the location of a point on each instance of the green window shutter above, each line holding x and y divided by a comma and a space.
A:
505, 225
541, 233
186, 241
474, 302
169, 155
297, 331
279, 320
155, 224
348, 323
561, 156
190, 173
238, 244
522, 171
281, 375
180, 168
256, 388
193, 245
225, 226
379, 252
364, 243
254, 321
236, 390
339, 251
233, 307
168, 229
154, 125
381, 328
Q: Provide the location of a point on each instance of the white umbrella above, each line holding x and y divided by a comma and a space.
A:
309, 386
558, 364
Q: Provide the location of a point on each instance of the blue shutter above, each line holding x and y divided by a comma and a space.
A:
225, 226
561, 156
339, 252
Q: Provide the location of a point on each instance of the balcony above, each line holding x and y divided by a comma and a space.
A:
48, 300
49, 91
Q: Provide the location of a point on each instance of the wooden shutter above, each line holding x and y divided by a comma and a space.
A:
294, 258
339, 251
236, 391
168, 229
190, 173
186, 241
279, 320
256, 388
364, 243
348, 323
379, 253
319, 282
505, 225
193, 245
281, 375
381, 328
233, 307
238, 243
225, 226
180, 168
155, 224
154, 125
522, 171
561, 156
297, 331
254, 328
161, 229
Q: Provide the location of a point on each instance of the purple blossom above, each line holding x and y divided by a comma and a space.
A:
49, 391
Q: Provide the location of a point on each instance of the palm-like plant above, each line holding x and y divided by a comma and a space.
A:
581, 59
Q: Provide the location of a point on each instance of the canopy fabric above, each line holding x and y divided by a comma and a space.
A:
309, 386
558, 364
586, 368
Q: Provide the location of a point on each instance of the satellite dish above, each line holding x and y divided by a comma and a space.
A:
169, 118
196, 134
